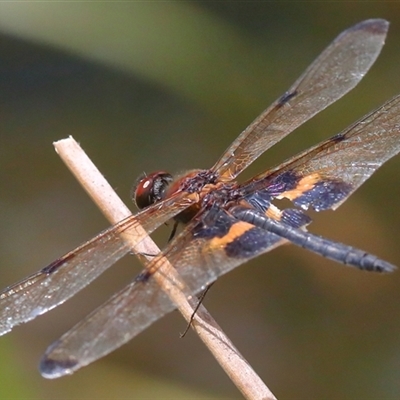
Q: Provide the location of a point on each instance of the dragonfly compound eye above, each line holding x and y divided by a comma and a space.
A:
151, 188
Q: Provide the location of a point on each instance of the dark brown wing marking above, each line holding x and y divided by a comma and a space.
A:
335, 72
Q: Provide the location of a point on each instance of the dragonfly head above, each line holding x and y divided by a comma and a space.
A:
150, 188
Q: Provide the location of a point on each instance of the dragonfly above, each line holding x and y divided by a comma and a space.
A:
224, 223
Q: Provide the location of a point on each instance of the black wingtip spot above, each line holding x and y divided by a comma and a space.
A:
52, 369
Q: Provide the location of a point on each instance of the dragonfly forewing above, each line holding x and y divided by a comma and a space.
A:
335, 72
64, 277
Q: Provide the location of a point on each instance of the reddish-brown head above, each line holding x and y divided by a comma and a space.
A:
151, 188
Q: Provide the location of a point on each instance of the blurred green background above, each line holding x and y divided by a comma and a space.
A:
147, 86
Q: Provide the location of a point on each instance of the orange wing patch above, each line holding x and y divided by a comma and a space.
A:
235, 231
304, 185
273, 212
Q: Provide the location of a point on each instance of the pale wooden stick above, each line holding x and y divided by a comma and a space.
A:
234, 364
